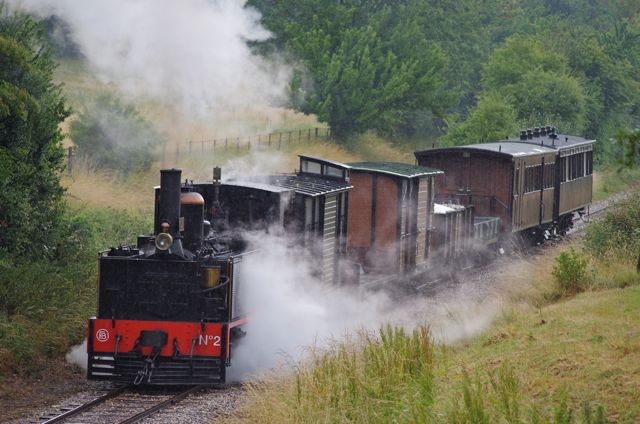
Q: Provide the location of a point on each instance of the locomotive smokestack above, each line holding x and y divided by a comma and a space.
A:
168, 203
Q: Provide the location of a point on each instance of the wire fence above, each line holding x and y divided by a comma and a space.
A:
274, 140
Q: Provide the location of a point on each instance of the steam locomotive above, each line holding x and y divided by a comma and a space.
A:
170, 307
168, 310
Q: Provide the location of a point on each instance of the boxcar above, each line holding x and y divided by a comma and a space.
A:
390, 217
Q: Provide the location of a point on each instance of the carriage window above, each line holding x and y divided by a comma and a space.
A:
578, 166
549, 175
311, 167
533, 178
589, 163
333, 171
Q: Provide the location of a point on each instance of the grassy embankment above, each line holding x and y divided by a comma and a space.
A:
565, 348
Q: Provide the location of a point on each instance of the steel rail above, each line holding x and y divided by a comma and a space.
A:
169, 402
86, 406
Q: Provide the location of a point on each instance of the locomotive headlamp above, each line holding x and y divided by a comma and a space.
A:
164, 241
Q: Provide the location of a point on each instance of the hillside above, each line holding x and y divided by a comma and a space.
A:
565, 361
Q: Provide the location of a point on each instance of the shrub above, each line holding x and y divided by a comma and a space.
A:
44, 303
570, 273
618, 232
113, 135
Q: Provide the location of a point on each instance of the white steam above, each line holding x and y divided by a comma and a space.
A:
291, 311
78, 355
192, 54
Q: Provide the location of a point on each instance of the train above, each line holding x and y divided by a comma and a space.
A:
170, 309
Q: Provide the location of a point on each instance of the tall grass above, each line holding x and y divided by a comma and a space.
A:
44, 305
375, 379
401, 377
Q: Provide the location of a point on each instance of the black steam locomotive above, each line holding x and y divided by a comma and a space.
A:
168, 310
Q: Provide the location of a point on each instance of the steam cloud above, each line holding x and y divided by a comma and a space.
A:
192, 54
291, 311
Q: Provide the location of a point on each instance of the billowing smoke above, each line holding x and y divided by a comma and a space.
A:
291, 311
192, 54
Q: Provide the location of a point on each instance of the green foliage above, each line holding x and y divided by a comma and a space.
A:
617, 234
371, 64
491, 120
44, 304
474, 70
390, 380
112, 134
31, 108
631, 142
571, 273
536, 83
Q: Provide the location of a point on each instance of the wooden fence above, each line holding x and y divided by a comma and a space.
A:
276, 140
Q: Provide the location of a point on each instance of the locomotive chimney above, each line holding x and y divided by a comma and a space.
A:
168, 201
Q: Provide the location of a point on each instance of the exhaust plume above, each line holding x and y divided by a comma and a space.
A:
191, 54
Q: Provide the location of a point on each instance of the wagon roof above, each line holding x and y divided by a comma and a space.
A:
517, 147
310, 185
257, 184
557, 141
395, 168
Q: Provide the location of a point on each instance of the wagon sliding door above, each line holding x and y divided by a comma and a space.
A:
423, 214
329, 232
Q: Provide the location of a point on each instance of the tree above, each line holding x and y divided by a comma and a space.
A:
537, 83
630, 140
31, 157
370, 63
491, 120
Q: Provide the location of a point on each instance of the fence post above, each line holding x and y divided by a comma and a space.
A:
70, 159
269, 139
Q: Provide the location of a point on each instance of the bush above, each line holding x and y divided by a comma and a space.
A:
44, 303
617, 234
113, 135
571, 274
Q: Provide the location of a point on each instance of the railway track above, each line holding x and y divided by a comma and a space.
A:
123, 405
